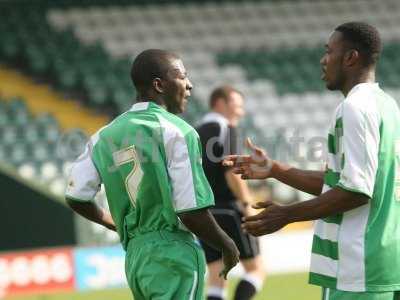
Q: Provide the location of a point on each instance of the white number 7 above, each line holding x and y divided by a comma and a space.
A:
134, 177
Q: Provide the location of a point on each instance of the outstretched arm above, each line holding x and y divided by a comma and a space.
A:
274, 217
259, 165
307, 181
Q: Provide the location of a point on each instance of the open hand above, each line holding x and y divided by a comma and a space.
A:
272, 218
257, 165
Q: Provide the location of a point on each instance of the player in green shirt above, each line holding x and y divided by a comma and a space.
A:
149, 161
356, 245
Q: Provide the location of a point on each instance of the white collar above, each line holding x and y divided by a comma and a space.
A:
139, 106
214, 117
362, 85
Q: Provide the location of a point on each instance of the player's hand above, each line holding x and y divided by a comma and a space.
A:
250, 211
257, 165
272, 218
230, 258
246, 209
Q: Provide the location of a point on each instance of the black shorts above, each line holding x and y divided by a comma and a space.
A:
229, 217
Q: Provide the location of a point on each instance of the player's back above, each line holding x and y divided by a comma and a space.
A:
130, 156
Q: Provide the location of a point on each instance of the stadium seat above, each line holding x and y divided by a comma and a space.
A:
270, 50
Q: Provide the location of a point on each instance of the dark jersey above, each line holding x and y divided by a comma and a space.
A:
217, 139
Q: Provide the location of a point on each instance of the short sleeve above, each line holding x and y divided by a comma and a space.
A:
84, 181
360, 149
190, 188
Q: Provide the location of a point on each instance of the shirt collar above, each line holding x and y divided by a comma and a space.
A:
214, 117
363, 85
144, 105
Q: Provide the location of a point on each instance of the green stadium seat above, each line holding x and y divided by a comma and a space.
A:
50, 133
46, 119
4, 152
31, 133
4, 118
98, 97
42, 152
9, 134
19, 153
123, 100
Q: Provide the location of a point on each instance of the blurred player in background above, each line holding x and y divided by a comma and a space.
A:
356, 246
219, 137
149, 161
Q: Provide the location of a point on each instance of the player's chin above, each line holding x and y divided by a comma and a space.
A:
330, 86
183, 105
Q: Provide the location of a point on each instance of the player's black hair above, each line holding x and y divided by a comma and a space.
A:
150, 64
222, 92
364, 38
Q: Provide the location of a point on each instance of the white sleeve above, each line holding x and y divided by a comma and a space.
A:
360, 148
190, 188
84, 181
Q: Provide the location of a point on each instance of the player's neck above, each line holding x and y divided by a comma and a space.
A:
354, 79
155, 100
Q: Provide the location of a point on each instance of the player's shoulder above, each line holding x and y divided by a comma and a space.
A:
213, 124
362, 104
363, 98
363, 101
174, 123
213, 119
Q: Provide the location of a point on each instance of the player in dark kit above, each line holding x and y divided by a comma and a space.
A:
218, 135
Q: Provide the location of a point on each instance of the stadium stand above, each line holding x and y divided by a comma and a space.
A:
29, 143
64, 72
268, 49
271, 49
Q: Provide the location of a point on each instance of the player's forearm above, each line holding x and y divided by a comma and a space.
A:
307, 181
332, 202
238, 186
92, 212
203, 225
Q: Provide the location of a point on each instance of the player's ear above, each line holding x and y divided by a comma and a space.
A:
351, 57
158, 85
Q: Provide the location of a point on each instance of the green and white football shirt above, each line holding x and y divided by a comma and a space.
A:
359, 250
149, 161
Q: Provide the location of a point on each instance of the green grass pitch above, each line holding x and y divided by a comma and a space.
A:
277, 287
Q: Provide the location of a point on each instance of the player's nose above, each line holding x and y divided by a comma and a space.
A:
189, 85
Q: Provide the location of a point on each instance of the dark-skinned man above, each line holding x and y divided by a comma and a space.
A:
149, 161
356, 245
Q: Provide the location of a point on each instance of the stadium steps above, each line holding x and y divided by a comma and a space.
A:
40, 98
297, 70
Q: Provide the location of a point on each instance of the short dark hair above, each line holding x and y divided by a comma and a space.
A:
150, 64
364, 38
222, 92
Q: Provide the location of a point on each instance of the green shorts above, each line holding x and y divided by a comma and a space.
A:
165, 265
332, 294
